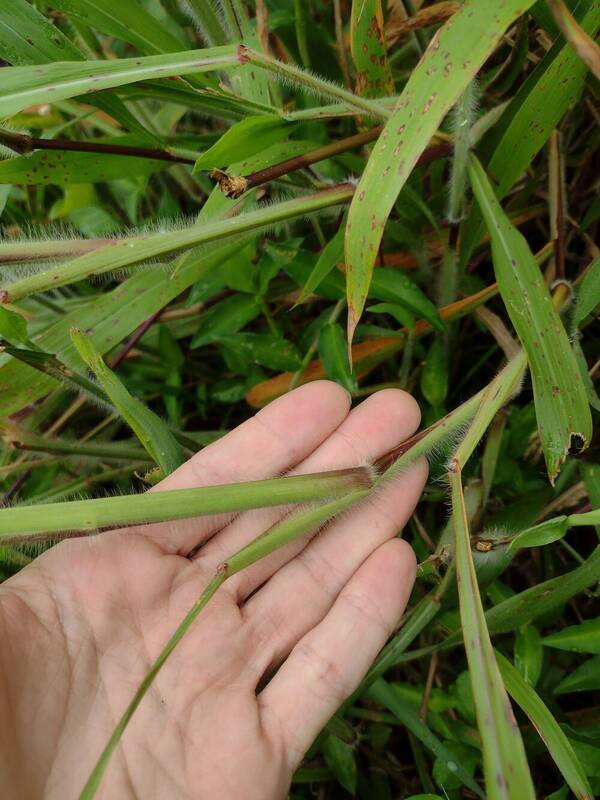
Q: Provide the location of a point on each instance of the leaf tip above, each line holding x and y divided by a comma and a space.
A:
352, 323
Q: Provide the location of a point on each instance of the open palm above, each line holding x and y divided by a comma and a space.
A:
268, 662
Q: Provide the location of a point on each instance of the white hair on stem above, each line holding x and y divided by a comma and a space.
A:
461, 120
189, 10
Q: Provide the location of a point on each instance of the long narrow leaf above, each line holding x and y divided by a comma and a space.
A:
27, 37
583, 679
581, 638
330, 255
505, 767
384, 694
24, 86
334, 354
562, 408
42, 167
109, 318
454, 56
369, 51
534, 112
548, 728
125, 19
152, 432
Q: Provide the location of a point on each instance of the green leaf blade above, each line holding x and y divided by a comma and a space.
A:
339, 757
369, 50
385, 694
546, 532
452, 59
334, 354
393, 286
562, 408
588, 293
330, 255
124, 19
269, 351
244, 140
505, 765
147, 426
556, 741
533, 113
584, 678
27, 37
25, 86
582, 638
63, 168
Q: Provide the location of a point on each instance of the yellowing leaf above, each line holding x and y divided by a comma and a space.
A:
583, 44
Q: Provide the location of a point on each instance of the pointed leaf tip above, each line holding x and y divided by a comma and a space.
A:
351, 328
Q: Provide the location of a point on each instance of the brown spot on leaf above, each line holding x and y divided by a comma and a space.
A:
429, 102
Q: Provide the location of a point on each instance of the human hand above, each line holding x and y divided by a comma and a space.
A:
83, 623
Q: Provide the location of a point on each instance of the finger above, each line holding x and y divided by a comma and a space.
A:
271, 442
327, 664
371, 429
300, 594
